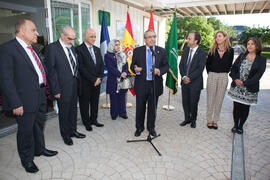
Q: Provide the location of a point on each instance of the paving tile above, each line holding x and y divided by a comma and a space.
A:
187, 153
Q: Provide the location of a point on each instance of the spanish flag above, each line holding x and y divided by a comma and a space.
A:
128, 45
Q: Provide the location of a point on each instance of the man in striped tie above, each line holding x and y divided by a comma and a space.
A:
23, 81
62, 65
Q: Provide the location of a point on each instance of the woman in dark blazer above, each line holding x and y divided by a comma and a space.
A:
246, 73
117, 65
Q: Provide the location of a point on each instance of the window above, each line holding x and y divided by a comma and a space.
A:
85, 16
64, 14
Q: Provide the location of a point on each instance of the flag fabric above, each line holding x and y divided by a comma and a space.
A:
171, 48
151, 22
104, 40
128, 46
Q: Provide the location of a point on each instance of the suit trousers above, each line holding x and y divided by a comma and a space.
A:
89, 96
190, 99
30, 137
68, 112
118, 104
141, 108
216, 88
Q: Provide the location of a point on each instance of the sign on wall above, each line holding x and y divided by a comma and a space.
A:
108, 17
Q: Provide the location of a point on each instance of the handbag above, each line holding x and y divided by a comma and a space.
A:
127, 83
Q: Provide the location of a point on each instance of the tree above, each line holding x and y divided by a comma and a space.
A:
205, 26
266, 37
186, 25
259, 32
217, 25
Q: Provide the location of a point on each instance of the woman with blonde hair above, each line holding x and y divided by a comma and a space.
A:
218, 65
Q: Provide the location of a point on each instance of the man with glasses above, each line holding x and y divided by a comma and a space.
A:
144, 58
91, 68
62, 64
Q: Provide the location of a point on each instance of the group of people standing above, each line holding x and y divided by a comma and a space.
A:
77, 72
245, 72
68, 72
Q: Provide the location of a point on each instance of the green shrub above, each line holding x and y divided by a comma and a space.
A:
266, 54
180, 52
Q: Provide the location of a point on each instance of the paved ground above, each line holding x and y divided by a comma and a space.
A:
186, 153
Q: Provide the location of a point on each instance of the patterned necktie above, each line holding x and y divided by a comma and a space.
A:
72, 61
149, 64
39, 65
92, 54
189, 61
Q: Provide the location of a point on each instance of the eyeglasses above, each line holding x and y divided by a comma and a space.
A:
71, 39
149, 37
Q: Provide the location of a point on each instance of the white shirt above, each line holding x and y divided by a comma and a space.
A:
66, 52
30, 55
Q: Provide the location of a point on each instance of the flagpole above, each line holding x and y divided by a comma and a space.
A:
172, 75
106, 105
168, 107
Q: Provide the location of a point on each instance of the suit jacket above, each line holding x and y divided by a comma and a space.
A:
89, 71
139, 59
257, 69
60, 75
18, 77
196, 68
113, 72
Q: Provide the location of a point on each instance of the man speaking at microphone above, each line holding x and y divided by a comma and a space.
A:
149, 62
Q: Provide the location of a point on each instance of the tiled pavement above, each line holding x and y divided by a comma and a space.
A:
186, 153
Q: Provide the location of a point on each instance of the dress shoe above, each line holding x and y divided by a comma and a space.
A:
124, 117
114, 118
239, 131
209, 125
234, 129
68, 140
214, 126
47, 152
138, 132
77, 135
30, 167
98, 124
89, 128
193, 124
153, 132
184, 123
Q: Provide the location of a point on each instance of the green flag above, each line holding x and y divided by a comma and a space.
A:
171, 48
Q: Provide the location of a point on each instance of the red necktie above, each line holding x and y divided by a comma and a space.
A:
39, 64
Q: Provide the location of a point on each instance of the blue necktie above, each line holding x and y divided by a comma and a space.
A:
149, 64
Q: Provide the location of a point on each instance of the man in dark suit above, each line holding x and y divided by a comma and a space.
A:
142, 63
191, 68
23, 81
63, 76
91, 68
